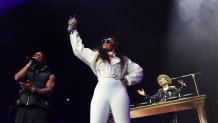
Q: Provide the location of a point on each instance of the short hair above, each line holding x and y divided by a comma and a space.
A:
167, 78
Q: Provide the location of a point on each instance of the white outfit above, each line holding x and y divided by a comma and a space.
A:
110, 93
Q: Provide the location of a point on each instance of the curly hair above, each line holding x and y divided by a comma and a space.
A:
167, 78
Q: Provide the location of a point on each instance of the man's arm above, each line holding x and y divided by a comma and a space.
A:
49, 87
22, 73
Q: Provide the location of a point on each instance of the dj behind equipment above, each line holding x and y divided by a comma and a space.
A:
168, 92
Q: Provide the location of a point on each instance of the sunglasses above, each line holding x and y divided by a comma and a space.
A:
107, 41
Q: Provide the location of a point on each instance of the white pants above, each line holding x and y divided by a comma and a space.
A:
110, 94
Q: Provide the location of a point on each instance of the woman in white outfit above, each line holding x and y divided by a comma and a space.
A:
114, 72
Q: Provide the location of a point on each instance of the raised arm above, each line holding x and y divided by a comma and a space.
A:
22, 73
85, 54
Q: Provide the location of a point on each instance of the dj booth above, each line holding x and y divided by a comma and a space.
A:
186, 103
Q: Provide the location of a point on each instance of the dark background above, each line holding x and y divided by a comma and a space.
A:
175, 37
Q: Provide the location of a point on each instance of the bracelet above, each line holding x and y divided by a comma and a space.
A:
28, 66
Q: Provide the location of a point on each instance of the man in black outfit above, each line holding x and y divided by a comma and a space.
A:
37, 84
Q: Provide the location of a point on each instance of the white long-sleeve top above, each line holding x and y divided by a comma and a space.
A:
131, 71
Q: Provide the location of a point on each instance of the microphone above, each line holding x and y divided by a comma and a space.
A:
31, 58
71, 27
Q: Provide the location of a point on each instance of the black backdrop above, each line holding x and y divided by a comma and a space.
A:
151, 34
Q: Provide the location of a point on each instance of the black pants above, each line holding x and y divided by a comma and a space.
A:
31, 115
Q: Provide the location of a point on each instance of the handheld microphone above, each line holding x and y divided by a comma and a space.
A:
71, 27
31, 58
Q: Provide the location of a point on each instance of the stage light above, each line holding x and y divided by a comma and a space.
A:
67, 99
